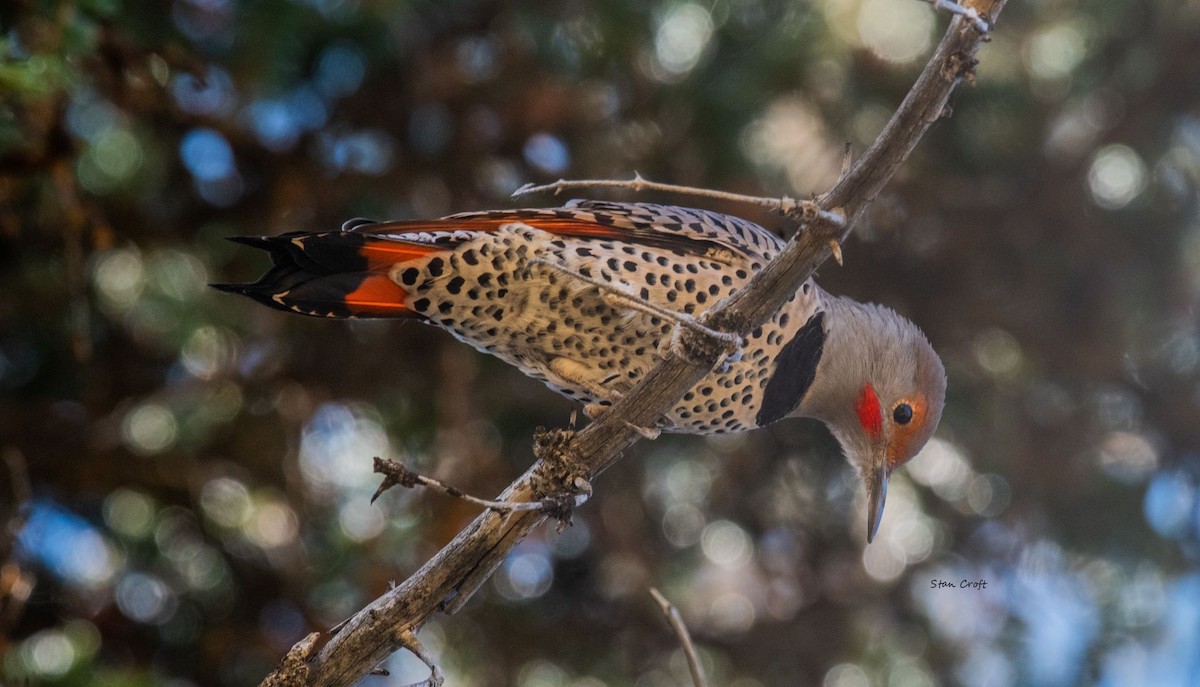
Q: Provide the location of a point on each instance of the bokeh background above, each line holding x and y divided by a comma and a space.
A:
185, 474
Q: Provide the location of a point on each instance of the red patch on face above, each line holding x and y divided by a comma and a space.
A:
869, 414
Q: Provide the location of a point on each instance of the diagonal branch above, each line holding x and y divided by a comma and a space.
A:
452, 576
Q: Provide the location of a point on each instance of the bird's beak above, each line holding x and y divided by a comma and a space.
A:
877, 481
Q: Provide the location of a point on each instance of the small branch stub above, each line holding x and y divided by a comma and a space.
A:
407, 639
293, 671
969, 13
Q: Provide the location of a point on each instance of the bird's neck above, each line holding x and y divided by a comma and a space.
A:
846, 361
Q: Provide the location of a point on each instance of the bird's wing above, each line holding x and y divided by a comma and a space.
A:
734, 232
697, 233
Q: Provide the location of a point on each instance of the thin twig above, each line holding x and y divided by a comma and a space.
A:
458, 570
685, 639
785, 204
396, 474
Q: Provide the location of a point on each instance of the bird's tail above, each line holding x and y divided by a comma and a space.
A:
332, 274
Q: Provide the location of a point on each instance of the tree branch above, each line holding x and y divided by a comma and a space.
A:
449, 579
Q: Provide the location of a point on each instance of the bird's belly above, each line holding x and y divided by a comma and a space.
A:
559, 311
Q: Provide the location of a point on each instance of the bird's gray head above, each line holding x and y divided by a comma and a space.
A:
880, 388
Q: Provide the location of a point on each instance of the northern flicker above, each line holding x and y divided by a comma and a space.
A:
582, 297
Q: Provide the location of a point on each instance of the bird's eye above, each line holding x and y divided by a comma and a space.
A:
902, 414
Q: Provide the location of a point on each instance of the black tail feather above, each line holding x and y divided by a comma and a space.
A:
311, 274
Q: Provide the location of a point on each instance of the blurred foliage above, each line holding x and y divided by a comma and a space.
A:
200, 465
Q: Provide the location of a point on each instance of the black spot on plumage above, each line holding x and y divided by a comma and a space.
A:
795, 369
614, 264
701, 297
435, 266
445, 306
409, 276
421, 304
630, 266
470, 257
741, 274
583, 252
651, 278
455, 285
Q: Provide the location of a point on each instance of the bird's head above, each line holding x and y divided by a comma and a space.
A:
880, 388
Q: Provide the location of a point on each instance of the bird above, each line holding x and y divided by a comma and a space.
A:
583, 297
